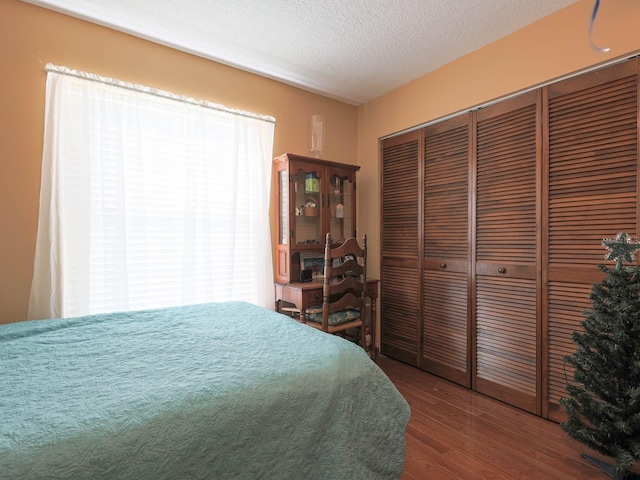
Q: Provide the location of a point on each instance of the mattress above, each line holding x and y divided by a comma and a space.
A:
219, 390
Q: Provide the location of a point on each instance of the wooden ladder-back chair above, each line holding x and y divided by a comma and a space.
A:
343, 291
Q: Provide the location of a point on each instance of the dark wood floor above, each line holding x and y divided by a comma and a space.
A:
455, 433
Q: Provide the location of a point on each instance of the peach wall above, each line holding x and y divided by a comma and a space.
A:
31, 36
548, 49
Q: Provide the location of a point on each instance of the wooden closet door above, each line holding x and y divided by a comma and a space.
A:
506, 278
400, 226
592, 168
445, 318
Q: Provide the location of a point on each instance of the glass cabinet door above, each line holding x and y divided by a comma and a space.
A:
341, 224
308, 206
283, 208
315, 197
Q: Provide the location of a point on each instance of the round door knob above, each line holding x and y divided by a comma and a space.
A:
443, 265
502, 270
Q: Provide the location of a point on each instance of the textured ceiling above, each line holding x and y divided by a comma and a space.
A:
351, 50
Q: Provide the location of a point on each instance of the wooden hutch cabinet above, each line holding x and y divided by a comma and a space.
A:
314, 197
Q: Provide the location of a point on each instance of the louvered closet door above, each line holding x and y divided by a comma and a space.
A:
593, 176
400, 279
506, 320
446, 250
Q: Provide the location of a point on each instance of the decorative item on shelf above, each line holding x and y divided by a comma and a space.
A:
317, 126
311, 183
311, 212
310, 208
339, 211
306, 274
314, 261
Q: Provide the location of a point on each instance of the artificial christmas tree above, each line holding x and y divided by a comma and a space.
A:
603, 408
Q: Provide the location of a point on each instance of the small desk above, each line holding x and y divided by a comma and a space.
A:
308, 294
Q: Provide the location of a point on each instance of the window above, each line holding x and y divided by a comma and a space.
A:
148, 200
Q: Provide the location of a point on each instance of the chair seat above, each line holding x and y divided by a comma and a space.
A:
336, 318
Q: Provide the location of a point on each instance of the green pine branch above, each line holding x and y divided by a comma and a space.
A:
603, 407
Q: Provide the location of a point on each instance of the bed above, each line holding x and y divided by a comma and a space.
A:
219, 390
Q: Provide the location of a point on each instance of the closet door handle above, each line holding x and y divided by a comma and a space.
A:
502, 270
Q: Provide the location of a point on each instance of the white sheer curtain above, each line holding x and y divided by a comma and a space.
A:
148, 200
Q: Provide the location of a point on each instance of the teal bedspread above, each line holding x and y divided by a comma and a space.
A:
221, 390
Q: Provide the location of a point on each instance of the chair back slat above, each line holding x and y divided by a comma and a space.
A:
347, 302
349, 267
349, 246
341, 286
345, 284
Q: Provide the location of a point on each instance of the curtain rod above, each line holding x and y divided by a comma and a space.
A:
49, 67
